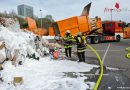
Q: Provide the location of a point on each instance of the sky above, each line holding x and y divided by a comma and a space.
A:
61, 9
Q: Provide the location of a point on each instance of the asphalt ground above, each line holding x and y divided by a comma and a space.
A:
113, 55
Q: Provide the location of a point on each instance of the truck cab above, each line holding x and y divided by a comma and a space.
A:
113, 28
111, 31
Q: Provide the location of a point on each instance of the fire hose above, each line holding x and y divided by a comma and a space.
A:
101, 67
128, 55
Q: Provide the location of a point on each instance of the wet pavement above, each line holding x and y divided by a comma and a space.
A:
114, 58
112, 79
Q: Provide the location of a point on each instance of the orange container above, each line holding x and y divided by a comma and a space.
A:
42, 31
83, 24
73, 31
74, 24
31, 24
33, 27
68, 23
127, 32
51, 31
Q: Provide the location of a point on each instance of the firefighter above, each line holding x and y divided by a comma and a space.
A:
81, 46
68, 39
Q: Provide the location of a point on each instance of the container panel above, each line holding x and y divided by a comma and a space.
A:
83, 24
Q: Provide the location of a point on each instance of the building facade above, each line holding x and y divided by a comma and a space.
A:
25, 11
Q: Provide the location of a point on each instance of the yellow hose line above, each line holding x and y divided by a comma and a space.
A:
101, 66
128, 55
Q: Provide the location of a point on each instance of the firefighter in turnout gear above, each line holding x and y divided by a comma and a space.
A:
68, 39
81, 46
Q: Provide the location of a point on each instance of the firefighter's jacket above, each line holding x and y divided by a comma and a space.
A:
81, 43
68, 39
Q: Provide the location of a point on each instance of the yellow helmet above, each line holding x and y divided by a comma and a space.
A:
67, 31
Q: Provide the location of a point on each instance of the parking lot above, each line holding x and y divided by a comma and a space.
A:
113, 56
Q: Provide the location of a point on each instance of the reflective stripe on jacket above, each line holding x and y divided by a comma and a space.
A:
68, 41
69, 46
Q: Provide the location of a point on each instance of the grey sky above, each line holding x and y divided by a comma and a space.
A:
61, 9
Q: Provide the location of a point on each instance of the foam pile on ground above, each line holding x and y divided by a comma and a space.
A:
17, 40
44, 74
11, 34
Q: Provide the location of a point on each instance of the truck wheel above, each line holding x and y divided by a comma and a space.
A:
89, 40
95, 40
118, 38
